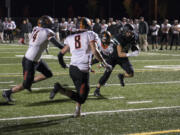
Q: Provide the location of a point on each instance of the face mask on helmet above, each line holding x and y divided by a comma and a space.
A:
46, 22
128, 30
106, 37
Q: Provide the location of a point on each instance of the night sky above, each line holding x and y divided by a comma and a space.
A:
92, 8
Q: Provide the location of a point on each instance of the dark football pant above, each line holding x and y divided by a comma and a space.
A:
81, 82
123, 62
29, 68
175, 39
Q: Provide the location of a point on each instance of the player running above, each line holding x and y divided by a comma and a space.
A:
81, 45
41, 35
116, 52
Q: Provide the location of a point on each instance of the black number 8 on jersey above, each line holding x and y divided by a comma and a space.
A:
77, 41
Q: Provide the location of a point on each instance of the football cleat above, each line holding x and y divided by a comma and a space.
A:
29, 90
7, 96
121, 78
57, 87
97, 92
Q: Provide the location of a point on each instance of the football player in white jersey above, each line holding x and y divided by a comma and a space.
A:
40, 37
81, 45
165, 27
154, 28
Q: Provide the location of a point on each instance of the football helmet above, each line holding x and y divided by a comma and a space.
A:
85, 23
46, 21
128, 30
105, 37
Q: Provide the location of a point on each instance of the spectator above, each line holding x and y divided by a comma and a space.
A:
154, 28
112, 27
5, 23
97, 26
143, 31
175, 34
136, 26
24, 32
1, 31
11, 26
63, 29
29, 25
56, 28
104, 26
165, 27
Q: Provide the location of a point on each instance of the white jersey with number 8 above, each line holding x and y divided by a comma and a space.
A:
79, 45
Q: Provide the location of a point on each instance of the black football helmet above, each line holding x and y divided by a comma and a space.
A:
105, 37
128, 30
85, 23
46, 21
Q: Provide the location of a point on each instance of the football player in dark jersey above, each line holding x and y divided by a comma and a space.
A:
118, 54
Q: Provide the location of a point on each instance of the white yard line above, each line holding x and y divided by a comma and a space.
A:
116, 98
89, 113
6, 82
145, 83
139, 102
163, 54
11, 52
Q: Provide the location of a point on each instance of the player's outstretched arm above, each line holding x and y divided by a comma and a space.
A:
120, 52
56, 43
135, 52
98, 55
61, 54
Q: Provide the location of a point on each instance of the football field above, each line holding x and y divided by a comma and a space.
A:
149, 104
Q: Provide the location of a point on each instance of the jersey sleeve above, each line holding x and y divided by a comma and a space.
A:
93, 37
116, 42
50, 34
66, 41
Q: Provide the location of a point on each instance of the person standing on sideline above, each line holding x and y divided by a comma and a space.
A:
165, 27
81, 45
154, 29
41, 35
175, 34
1, 31
143, 32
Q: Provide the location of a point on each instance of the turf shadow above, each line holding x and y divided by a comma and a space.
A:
33, 125
43, 103
6, 104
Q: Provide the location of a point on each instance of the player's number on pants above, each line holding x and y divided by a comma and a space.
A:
77, 42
